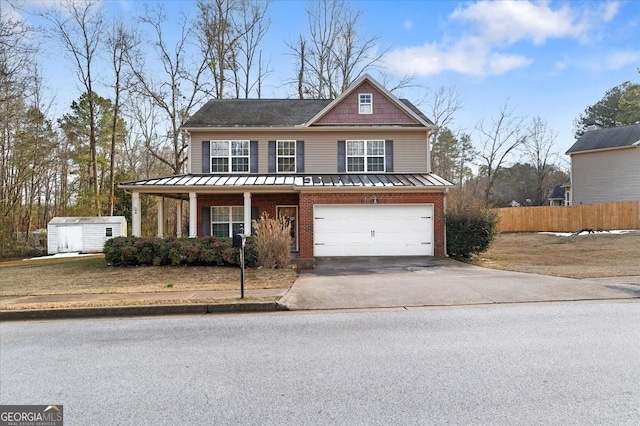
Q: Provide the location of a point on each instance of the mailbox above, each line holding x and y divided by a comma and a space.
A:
239, 240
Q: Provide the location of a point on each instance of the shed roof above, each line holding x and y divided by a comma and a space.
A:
613, 137
87, 220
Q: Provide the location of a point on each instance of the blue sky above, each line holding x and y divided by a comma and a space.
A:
549, 59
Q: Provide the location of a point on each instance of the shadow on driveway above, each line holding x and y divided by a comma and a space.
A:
387, 282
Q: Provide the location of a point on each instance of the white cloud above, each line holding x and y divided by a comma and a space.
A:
485, 30
465, 57
620, 59
509, 21
408, 25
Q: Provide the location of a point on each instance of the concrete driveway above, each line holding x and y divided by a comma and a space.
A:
383, 282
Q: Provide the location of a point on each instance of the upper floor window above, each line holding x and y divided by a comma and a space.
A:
229, 156
365, 156
286, 156
365, 103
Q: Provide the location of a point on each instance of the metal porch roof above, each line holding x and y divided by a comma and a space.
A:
293, 181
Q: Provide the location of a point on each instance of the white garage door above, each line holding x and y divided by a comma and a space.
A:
373, 230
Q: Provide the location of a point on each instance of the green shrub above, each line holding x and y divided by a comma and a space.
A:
273, 241
471, 228
130, 251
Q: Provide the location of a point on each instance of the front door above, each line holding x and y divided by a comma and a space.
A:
290, 213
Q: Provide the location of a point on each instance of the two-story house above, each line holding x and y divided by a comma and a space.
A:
605, 165
352, 174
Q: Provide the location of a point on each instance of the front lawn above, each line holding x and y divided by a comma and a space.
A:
578, 256
90, 274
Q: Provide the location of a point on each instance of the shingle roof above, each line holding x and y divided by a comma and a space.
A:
264, 112
558, 193
607, 138
256, 112
415, 109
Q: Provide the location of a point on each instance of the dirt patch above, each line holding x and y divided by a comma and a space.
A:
582, 256
91, 275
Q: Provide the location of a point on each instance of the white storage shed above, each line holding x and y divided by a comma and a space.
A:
83, 234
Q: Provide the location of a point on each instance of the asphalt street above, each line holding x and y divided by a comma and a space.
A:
561, 363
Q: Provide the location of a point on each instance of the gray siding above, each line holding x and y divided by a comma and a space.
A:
605, 176
320, 147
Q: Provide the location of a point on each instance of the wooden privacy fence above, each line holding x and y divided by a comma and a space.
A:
607, 216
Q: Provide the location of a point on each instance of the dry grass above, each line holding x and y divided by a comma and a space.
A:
91, 275
105, 303
583, 256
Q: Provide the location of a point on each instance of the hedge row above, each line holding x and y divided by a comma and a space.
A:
130, 251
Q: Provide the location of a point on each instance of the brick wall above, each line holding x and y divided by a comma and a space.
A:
384, 111
268, 202
307, 200
265, 202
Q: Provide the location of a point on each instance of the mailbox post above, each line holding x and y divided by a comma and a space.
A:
240, 240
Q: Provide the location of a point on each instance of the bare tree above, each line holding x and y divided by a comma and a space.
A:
79, 28
119, 43
230, 32
499, 137
538, 147
178, 92
334, 54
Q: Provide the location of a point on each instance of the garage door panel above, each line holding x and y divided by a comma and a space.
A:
373, 230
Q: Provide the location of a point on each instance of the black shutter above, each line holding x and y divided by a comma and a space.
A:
206, 157
299, 156
253, 159
388, 155
272, 156
342, 157
255, 215
205, 224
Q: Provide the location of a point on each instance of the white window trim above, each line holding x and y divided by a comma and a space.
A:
365, 141
361, 104
230, 157
295, 152
229, 221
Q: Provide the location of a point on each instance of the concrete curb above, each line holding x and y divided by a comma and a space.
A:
145, 310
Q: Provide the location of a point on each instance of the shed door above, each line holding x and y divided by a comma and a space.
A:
373, 230
69, 239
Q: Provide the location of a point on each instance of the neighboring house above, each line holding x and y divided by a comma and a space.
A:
560, 196
83, 234
605, 165
352, 175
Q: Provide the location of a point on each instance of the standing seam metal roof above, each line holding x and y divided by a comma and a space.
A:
297, 180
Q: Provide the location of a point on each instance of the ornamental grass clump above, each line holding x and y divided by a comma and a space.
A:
273, 241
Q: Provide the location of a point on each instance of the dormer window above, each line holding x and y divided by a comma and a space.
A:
365, 103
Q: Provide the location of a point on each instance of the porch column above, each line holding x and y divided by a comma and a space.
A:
160, 202
136, 228
179, 219
193, 215
247, 213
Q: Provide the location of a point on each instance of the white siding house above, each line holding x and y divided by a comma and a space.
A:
605, 166
83, 234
